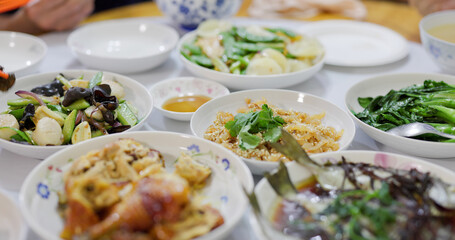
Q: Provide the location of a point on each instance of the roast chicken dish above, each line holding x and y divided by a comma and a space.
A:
124, 192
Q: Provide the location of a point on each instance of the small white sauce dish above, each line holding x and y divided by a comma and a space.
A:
21, 53
184, 86
123, 46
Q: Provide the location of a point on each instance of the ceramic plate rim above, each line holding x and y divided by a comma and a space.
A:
81, 30
34, 39
22, 228
371, 27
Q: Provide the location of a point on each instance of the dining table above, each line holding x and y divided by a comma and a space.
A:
331, 83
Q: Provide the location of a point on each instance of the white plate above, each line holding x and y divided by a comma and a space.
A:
123, 46
184, 86
303, 102
38, 197
241, 82
267, 197
135, 93
21, 53
12, 225
357, 44
381, 85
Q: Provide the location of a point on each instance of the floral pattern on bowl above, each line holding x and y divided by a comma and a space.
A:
189, 13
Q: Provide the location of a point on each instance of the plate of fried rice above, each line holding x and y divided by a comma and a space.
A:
235, 121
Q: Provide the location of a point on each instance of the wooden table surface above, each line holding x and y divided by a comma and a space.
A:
400, 17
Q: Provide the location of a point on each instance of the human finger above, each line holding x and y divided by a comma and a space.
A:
73, 20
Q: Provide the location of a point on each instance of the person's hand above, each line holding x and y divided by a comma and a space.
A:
429, 6
57, 15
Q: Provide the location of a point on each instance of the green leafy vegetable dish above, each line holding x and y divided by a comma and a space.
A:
431, 102
67, 111
251, 50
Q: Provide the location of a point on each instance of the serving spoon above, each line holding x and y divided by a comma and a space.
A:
416, 129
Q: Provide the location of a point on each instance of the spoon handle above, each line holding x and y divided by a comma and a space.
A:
444, 134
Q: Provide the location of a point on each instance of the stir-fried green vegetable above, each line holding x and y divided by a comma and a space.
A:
247, 125
431, 102
235, 49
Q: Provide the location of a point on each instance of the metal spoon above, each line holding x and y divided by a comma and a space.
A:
416, 129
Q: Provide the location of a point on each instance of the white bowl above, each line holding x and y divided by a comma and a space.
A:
285, 99
184, 86
21, 53
123, 46
235, 81
381, 85
442, 52
38, 197
188, 14
135, 93
267, 197
12, 224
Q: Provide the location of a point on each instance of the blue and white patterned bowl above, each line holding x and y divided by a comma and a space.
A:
189, 13
38, 196
442, 52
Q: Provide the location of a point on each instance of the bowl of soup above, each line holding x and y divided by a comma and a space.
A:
437, 32
178, 98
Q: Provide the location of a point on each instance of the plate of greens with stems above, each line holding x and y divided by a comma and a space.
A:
381, 103
252, 56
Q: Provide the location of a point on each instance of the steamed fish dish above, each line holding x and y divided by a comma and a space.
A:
431, 102
249, 132
67, 111
123, 191
251, 50
364, 201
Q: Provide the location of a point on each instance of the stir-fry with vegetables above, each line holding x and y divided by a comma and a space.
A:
431, 102
67, 111
251, 50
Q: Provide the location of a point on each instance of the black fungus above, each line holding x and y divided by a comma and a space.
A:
75, 93
26, 120
108, 115
119, 129
101, 94
50, 89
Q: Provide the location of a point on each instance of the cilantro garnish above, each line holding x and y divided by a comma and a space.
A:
246, 125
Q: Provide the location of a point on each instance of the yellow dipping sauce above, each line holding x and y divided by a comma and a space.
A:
444, 32
185, 103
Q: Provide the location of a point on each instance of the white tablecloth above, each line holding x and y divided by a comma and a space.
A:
330, 83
